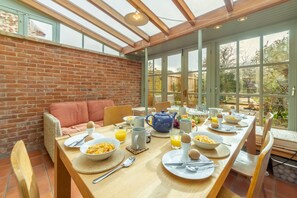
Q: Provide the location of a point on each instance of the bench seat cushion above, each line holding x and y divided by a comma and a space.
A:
79, 128
70, 113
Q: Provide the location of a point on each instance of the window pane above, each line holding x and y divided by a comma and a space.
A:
226, 102
228, 81
9, 22
228, 55
70, 37
193, 60
150, 67
174, 63
276, 47
249, 80
249, 51
279, 107
158, 83
275, 79
249, 105
193, 100
193, 82
41, 30
108, 50
92, 44
158, 66
174, 83
174, 98
150, 83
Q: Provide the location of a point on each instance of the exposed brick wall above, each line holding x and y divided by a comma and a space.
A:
35, 74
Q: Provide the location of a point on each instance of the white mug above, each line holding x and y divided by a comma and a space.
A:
138, 138
182, 111
185, 125
137, 122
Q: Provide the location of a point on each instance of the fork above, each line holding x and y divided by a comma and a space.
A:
77, 142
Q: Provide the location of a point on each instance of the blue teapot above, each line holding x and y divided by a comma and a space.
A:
161, 122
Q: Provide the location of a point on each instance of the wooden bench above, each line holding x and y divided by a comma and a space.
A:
285, 142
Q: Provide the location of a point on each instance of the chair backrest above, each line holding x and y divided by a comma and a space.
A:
162, 106
23, 170
267, 127
262, 163
115, 114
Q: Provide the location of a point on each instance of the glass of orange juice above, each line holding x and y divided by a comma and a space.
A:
120, 134
175, 138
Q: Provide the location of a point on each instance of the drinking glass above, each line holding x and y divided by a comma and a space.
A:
175, 138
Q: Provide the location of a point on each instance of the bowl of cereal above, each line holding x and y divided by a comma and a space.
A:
232, 119
206, 140
100, 149
129, 119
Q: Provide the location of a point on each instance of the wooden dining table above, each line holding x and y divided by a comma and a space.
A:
147, 177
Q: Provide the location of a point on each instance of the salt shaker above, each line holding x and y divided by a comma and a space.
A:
220, 119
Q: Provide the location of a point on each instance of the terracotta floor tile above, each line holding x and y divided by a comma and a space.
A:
12, 181
36, 160
3, 184
44, 185
5, 170
269, 194
74, 190
4, 162
12, 192
229, 180
240, 185
47, 195
285, 188
35, 153
269, 182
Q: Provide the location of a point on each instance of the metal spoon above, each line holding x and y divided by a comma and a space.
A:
128, 162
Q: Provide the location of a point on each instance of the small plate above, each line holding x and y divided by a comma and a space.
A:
224, 129
79, 137
175, 156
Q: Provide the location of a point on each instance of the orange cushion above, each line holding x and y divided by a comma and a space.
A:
77, 128
96, 108
70, 113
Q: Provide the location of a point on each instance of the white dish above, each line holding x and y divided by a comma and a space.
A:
232, 119
173, 109
174, 156
218, 139
128, 119
79, 137
98, 157
224, 128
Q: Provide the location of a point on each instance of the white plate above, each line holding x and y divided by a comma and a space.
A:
224, 128
79, 137
175, 156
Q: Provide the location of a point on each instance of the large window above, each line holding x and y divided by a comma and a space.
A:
174, 81
70, 37
193, 77
9, 22
254, 76
155, 81
40, 29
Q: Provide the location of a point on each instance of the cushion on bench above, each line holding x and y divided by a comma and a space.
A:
96, 109
70, 113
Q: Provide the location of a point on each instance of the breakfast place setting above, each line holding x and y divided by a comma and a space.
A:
168, 148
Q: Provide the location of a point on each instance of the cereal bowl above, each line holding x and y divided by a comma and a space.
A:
205, 138
103, 150
128, 119
232, 119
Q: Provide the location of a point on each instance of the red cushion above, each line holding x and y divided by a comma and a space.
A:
76, 128
70, 113
96, 109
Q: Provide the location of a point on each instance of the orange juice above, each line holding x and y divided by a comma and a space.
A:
121, 135
175, 141
214, 119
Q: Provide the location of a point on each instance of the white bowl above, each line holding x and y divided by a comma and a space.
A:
97, 157
232, 119
218, 139
129, 119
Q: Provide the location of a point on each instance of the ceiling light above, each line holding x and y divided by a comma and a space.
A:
242, 19
217, 27
136, 18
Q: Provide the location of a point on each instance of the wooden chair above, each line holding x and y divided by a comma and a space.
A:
258, 175
245, 163
23, 170
115, 114
162, 106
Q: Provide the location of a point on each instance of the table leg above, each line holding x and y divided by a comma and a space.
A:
62, 177
251, 140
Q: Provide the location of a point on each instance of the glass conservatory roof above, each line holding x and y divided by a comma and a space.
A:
168, 19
